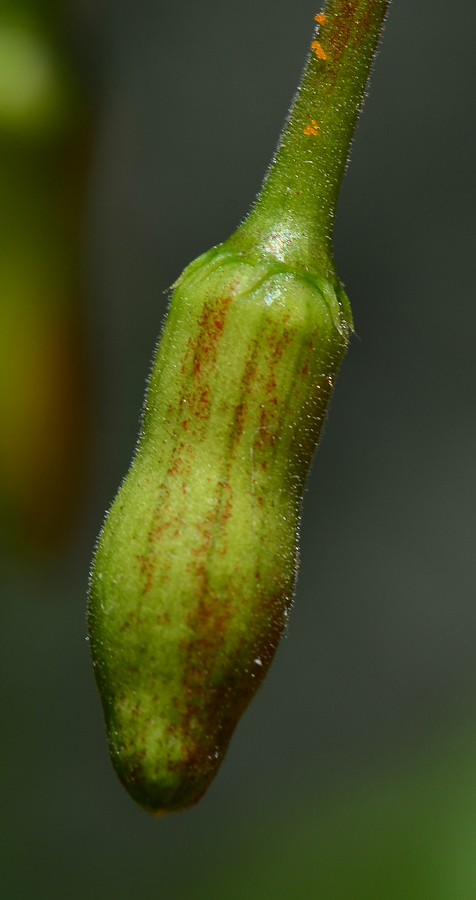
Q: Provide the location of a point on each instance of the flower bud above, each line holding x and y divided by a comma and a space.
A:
195, 567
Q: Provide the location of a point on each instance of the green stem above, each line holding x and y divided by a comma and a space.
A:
293, 216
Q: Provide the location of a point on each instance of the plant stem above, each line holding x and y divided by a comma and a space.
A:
293, 216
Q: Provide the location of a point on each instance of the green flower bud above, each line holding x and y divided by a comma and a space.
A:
195, 567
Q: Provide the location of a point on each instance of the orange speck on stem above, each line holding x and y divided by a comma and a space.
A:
318, 50
313, 128
321, 18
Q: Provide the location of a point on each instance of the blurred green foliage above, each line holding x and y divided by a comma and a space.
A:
43, 156
408, 833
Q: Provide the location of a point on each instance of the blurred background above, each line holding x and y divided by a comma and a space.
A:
352, 776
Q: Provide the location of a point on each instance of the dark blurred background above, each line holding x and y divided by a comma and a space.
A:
353, 773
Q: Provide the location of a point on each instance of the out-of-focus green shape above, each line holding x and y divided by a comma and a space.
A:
43, 154
407, 833
34, 98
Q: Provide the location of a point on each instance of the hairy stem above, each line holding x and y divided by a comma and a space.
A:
293, 217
